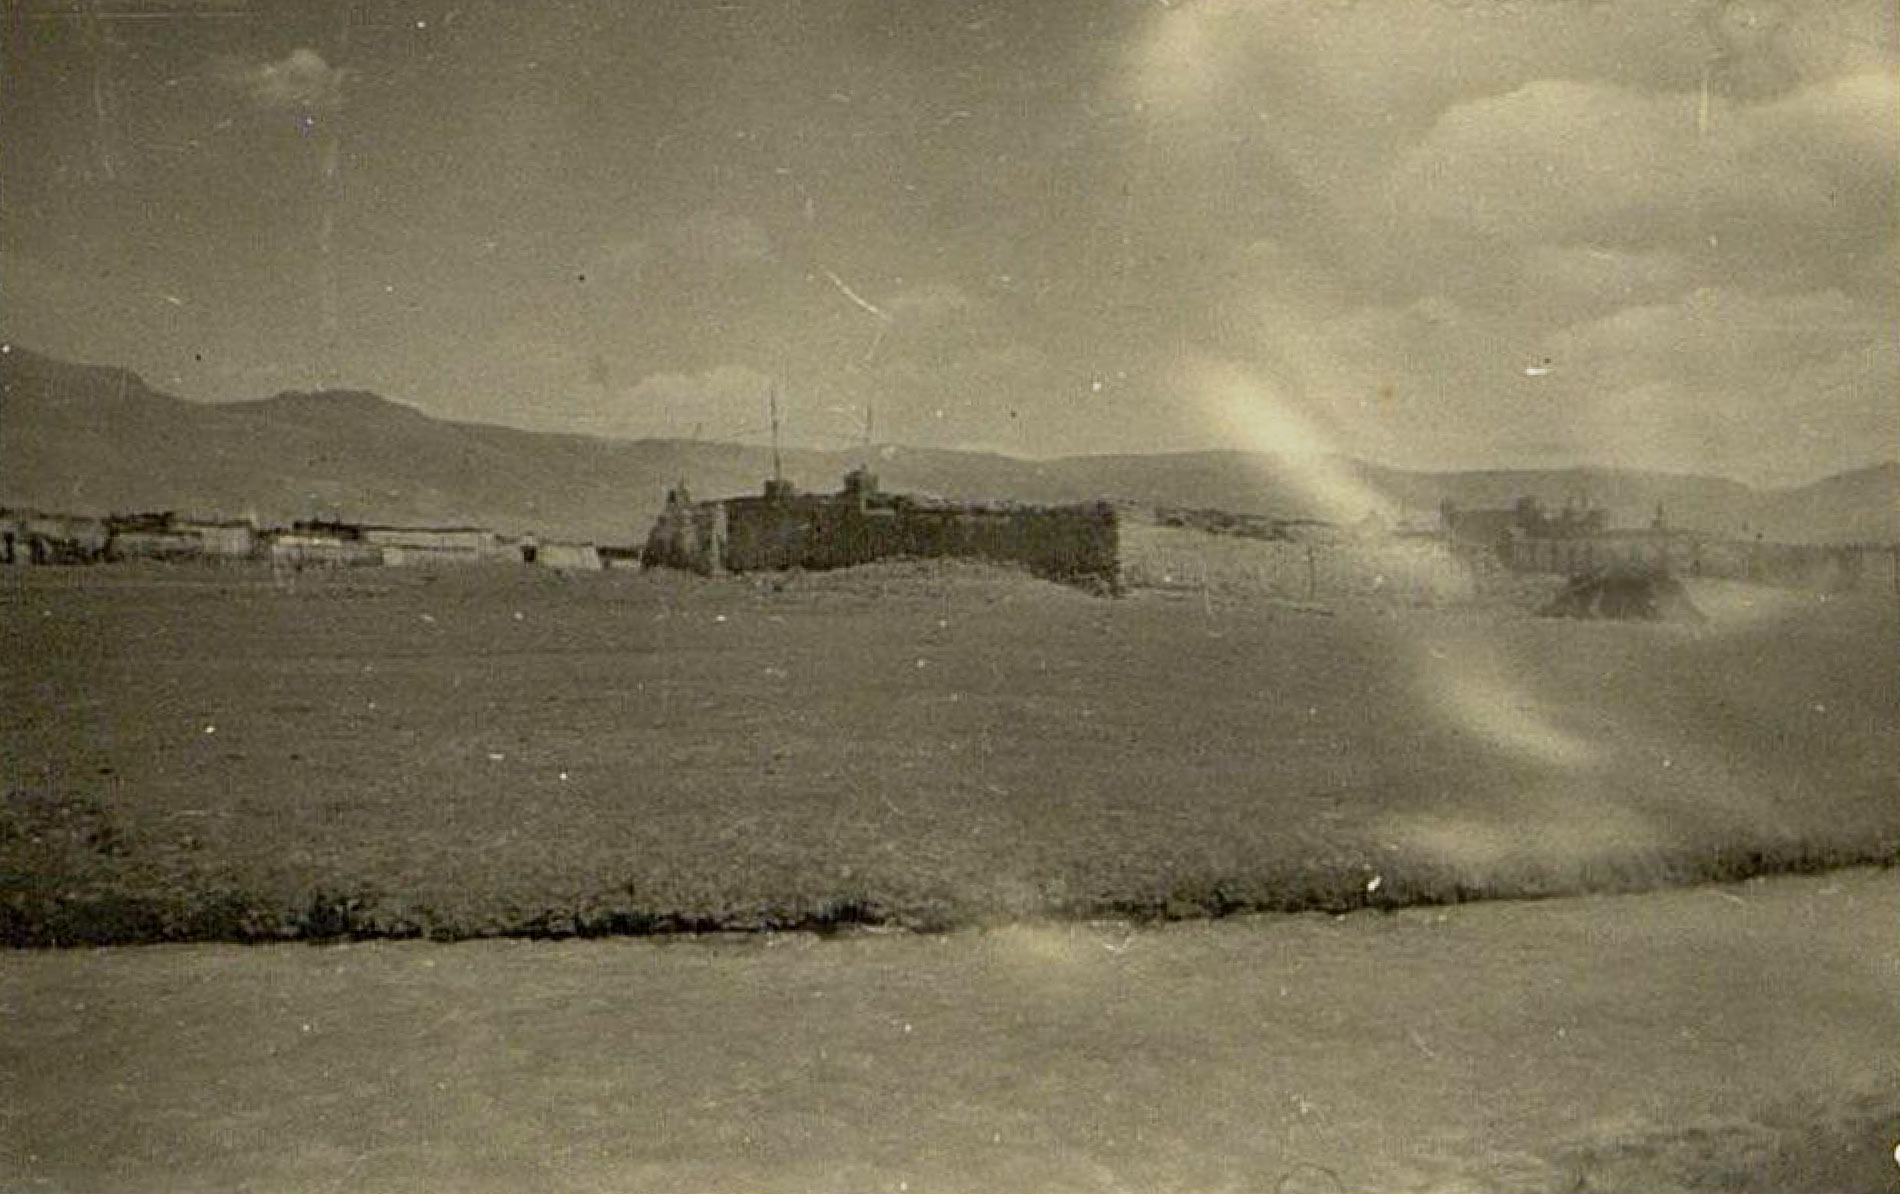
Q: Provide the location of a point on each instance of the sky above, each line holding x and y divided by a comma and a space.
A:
1429, 233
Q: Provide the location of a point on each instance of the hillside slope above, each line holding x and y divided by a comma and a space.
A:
96, 439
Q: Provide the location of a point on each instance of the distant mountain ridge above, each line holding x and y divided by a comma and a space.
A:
97, 439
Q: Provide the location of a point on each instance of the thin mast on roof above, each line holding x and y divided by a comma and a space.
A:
869, 411
778, 467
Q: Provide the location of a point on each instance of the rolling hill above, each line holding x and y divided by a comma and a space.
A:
95, 439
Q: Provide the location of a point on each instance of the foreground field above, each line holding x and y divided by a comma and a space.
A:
1735, 1040
203, 754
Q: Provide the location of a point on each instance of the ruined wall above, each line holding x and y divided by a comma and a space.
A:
1404, 571
1573, 556
774, 534
58, 539
412, 546
295, 550
230, 540
413, 556
688, 536
568, 557
1786, 565
466, 540
1068, 543
1790, 565
154, 545
165, 536
1078, 544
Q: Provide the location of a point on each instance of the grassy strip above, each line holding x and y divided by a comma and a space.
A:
70, 881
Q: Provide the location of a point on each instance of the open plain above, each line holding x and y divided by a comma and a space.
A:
232, 755
224, 754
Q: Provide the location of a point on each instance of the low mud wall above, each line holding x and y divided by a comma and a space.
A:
1076, 544
1409, 572
1817, 567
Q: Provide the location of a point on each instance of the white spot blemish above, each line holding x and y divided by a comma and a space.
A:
211, 729
1373, 884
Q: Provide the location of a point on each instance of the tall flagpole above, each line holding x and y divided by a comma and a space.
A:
778, 466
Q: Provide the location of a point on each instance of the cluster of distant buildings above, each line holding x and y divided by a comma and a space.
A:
34, 537
782, 528
1577, 539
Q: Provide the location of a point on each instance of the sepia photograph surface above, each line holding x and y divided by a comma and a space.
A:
949, 596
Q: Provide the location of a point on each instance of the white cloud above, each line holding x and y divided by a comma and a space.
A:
928, 304
301, 79
1561, 161
704, 243
1588, 275
1779, 386
1724, 337
726, 402
623, 258
719, 238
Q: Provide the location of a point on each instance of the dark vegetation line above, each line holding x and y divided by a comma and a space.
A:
108, 913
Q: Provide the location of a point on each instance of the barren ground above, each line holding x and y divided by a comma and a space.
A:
214, 754
1724, 1039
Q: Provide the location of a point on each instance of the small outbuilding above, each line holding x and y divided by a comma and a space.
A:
568, 557
1625, 595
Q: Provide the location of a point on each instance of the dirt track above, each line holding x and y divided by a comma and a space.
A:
1736, 1038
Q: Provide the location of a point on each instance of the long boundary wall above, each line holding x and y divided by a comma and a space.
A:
1823, 567
1078, 544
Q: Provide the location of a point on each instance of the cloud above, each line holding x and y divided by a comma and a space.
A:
704, 243
1722, 379
725, 402
714, 238
1561, 161
301, 79
1721, 337
624, 258
1586, 276
930, 304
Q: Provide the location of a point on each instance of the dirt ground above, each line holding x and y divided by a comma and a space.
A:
216, 754
1735, 1039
